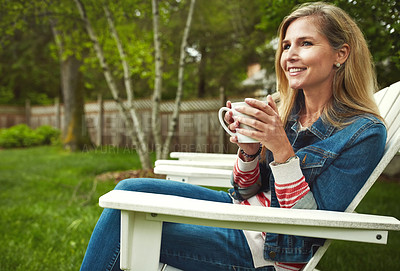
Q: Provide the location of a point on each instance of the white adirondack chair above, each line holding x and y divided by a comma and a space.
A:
142, 214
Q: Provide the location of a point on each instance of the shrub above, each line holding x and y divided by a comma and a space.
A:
23, 136
48, 133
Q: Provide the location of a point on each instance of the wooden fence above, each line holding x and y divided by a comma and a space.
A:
198, 126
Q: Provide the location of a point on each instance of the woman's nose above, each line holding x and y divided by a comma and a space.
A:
292, 53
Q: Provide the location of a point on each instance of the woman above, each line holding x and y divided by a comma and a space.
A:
316, 155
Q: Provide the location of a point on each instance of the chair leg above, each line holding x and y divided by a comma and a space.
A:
164, 267
140, 242
310, 266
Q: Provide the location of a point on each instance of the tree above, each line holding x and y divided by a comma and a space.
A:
24, 56
74, 134
155, 112
134, 126
162, 150
42, 15
223, 41
179, 91
225, 37
129, 112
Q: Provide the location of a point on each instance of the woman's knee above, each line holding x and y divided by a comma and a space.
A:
133, 184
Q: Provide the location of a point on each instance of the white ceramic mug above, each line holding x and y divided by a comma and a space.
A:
241, 138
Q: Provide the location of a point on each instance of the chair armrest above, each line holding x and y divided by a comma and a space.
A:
194, 156
204, 169
196, 175
218, 164
313, 223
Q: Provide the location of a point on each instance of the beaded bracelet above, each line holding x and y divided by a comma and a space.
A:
251, 155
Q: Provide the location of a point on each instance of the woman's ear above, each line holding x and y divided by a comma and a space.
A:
343, 54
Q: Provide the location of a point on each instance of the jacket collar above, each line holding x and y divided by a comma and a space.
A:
322, 129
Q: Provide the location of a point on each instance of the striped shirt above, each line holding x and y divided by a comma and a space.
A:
290, 187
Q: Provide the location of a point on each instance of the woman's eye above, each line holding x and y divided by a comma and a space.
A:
307, 43
286, 46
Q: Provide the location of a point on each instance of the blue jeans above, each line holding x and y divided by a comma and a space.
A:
187, 247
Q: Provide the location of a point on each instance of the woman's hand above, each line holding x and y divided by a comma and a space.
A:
269, 129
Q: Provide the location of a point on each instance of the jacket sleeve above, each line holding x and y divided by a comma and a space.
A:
291, 188
345, 173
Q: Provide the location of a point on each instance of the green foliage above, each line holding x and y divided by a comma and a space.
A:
18, 136
48, 134
379, 20
23, 136
225, 35
27, 70
228, 34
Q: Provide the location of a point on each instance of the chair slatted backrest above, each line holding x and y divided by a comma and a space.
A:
388, 101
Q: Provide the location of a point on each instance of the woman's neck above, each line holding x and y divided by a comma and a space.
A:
314, 104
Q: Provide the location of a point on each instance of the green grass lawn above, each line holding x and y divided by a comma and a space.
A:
48, 208
48, 204
382, 199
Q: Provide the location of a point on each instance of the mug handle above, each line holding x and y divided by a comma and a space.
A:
221, 120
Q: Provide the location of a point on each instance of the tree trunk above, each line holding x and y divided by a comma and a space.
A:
155, 113
74, 135
179, 92
201, 90
128, 85
132, 128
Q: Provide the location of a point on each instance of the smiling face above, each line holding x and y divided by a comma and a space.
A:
307, 57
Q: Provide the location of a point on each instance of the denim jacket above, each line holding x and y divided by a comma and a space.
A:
335, 162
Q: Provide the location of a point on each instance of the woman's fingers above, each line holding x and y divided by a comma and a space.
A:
234, 125
228, 117
272, 103
263, 106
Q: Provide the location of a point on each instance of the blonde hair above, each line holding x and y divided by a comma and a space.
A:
355, 81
